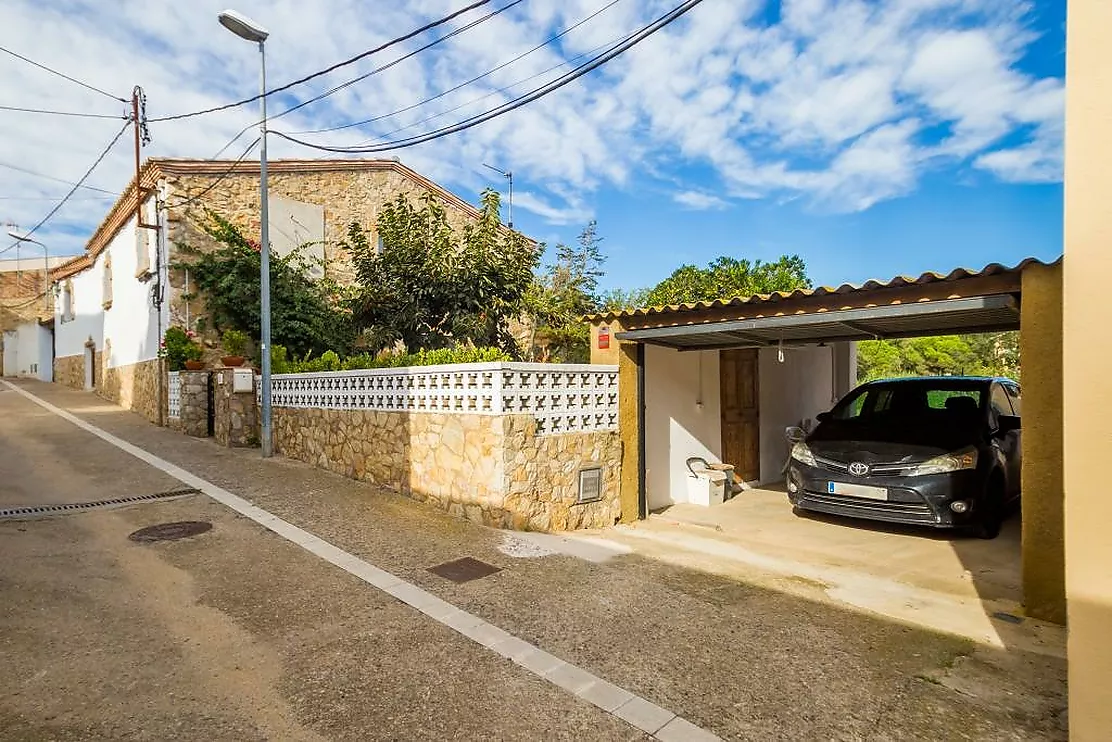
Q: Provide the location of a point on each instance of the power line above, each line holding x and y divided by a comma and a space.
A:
503, 89
56, 180
375, 71
509, 106
338, 65
55, 198
76, 185
62, 113
60, 74
488, 73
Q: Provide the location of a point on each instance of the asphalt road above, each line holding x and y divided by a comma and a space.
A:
240, 634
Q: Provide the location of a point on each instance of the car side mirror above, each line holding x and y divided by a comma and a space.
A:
822, 417
1007, 423
794, 434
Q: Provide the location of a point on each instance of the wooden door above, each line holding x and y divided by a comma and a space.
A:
741, 430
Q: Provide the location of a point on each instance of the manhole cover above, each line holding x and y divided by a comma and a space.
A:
464, 570
170, 531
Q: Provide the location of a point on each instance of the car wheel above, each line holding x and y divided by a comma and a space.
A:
992, 511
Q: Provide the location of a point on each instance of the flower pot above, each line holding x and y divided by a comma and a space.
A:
194, 365
232, 360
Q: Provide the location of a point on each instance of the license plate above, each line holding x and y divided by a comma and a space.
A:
857, 490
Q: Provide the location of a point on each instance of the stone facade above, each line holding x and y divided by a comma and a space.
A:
193, 419
349, 192
69, 371
139, 387
235, 419
490, 469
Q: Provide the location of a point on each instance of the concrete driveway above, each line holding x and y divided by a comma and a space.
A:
308, 611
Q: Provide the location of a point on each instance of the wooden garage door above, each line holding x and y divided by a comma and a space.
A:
740, 414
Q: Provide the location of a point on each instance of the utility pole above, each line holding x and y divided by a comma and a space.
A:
142, 138
510, 177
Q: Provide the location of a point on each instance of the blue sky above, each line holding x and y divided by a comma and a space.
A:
873, 138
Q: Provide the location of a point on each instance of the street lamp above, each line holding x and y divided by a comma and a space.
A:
245, 28
19, 237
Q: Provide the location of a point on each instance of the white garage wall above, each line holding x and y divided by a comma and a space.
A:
11, 353
793, 391
676, 425
28, 352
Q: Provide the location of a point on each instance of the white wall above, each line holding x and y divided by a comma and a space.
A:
676, 426
28, 352
801, 387
295, 225
130, 325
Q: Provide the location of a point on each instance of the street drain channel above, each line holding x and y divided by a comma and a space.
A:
464, 570
170, 531
75, 507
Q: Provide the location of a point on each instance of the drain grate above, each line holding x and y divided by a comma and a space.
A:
81, 506
170, 531
464, 570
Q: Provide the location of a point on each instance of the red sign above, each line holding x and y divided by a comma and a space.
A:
603, 337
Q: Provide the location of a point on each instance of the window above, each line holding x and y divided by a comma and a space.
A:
107, 286
142, 240
905, 399
67, 301
1013, 395
938, 399
1000, 403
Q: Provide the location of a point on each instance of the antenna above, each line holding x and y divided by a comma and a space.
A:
510, 177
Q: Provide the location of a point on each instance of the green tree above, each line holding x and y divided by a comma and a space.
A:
558, 299
305, 315
430, 287
987, 354
616, 300
726, 278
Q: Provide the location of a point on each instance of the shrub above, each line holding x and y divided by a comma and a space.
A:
439, 356
178, 347
235, 342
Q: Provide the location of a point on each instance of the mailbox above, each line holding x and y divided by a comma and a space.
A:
243, 380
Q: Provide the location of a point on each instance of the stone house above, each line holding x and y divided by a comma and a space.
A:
26, 313
115, 301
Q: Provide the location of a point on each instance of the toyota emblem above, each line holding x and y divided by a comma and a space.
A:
858, 469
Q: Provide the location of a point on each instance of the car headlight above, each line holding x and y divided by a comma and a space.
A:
802, 454
966, 458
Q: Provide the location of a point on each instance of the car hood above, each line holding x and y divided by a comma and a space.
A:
887, 445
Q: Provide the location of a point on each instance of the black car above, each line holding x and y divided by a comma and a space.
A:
940, 451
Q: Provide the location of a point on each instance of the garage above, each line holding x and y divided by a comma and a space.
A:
720, 381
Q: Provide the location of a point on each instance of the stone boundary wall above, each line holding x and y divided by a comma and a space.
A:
490, 469
134, 387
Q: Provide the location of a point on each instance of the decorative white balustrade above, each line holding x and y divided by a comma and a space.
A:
174, 395
562, 398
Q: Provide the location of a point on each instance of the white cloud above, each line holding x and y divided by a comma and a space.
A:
699, 201
835, 104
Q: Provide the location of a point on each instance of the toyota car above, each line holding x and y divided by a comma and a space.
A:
940, 451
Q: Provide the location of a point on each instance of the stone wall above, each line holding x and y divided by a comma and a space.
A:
235, 419
69, 371
139, 387
193, 419
490, 469
347, 195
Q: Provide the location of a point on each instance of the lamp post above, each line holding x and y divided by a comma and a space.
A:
20, 238
510, 177
247, 29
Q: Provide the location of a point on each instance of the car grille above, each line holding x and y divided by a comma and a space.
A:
906, 512
875, 470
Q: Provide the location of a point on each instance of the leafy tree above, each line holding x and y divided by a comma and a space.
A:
616, 300
305, 315
558, 299
989, 354
727, 277
431, 288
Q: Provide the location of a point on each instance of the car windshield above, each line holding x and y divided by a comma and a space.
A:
934, 400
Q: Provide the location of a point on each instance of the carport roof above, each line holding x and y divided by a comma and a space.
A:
961, 301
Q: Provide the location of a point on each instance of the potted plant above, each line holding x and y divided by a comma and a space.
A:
180, 351
235, 343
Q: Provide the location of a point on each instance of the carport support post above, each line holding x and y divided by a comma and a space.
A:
1040, 348
631, 418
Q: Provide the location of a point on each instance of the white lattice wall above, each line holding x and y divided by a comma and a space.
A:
174, 395
562, 398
